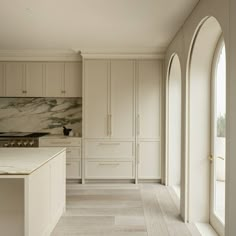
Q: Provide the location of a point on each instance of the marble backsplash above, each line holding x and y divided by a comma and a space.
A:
40, 114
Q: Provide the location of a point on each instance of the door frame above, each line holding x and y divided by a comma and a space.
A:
216, 223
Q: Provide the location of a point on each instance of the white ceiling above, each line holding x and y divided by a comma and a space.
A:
143, 25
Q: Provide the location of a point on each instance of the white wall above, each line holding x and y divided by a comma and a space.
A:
231, 125
181, 45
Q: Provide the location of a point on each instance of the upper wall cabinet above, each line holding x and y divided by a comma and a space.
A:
73, 79
15, 79
23, 79
55, 75
64, 79
34, 79
40, 79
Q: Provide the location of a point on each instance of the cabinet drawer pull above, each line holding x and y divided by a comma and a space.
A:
138, 153
68, 164
109, 164
68, 151
109, 144
61, 143
138, 125
110, 125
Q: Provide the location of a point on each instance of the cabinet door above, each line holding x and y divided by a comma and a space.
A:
15, 84
149, 99
149, 160
96, 98
2, 87
55, 73
34, 79
122, 99
73, 79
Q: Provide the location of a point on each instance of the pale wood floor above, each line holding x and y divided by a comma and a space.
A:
146, 210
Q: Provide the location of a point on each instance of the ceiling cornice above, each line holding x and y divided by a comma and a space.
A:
39, 55
77, 55
124, 54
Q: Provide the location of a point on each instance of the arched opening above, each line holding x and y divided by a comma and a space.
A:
200, 122
174, 124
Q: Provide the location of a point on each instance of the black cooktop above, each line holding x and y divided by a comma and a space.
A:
22, 134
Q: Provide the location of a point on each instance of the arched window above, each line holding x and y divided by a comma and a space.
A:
219, 118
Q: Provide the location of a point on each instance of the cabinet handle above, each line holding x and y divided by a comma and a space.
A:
68, 164
138, 153
221, 158
138, 124
63, 91
109, 164
64, 143
24, 91
68, 151
110, 125
109, 144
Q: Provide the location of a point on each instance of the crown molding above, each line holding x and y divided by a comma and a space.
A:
141, 53
39, 55
121, 56
78, 55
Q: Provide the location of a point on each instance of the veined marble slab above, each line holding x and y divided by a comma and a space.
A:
24, 161
40, 114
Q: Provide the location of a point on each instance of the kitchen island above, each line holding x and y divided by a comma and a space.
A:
32, 190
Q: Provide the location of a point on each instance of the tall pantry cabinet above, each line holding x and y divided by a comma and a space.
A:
121, 119
148, 113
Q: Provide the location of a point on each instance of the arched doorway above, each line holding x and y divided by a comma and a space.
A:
173, 137
201, 122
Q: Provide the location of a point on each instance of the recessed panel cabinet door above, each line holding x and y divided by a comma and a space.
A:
15, 79
149, 160
2, 89
73, 79
149, 99
122, 99
55, 73
96, 98
34, 79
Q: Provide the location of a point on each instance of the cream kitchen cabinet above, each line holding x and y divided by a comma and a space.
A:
73, 79
24, 79
148, 118
73, 152
109, 127
34, 86
40, 79
96, 99
63, 79
122, 99
109, 99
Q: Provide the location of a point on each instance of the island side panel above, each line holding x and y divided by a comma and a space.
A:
45, 197
11, 206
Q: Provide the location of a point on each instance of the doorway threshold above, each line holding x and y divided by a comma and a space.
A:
206, 229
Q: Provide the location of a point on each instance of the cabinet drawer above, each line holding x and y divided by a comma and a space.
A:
95, 149
73, 152
109, 169
73, 169
59, 142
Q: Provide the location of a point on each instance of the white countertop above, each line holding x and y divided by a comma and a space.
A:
23, 161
